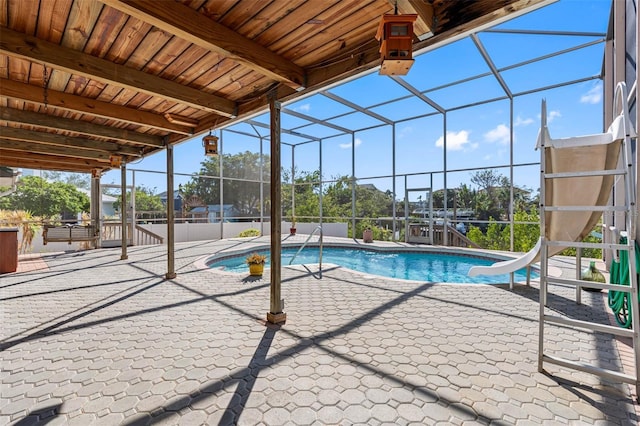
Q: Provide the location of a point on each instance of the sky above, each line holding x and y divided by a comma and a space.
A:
477, 136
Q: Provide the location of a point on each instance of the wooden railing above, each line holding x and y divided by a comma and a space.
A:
419, 233
145, 237
454, 237
139, 236
111, 234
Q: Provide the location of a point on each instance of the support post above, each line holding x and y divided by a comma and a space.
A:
171, 270
275, 314
96, 205
123, 209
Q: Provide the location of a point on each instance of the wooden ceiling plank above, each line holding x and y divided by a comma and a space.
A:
29, 93
190, 25
24, 46
181, 69
242, 12
315, 35
298, 19
81, 20
63, 151
25, 17
269, 16
140, 37
4, 66
105, 32
78, 126
55, 13
46, 138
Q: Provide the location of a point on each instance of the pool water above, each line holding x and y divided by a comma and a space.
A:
419, 266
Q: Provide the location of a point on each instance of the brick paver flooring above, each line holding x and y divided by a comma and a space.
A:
97, 340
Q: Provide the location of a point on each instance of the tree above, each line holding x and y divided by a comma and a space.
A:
497, 236
465, 197
237, 169
76, 179
307, 195
487, 179
146, 200
46, 199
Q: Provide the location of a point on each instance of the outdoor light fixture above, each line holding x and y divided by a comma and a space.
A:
395, 34
210, 143
115, 160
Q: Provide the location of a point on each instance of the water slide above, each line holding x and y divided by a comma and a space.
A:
589, 153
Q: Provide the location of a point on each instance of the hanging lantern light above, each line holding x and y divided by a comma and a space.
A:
395, 34
115, 160
210, 143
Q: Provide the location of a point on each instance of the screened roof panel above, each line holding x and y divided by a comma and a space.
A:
469, 92
555, 70
291, 139
356, 121
565, 15
319, 107
245, 127
318, 130
459, 60
508, 49
405, 108
370, 90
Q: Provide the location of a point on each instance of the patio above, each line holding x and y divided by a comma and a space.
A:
90, 339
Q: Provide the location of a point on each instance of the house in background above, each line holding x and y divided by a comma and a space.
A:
211, 213
177, 200
8, 179
107, 209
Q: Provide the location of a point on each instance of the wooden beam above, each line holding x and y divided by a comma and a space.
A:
31, 48
425, 25
68, 141
194, 27
40, 148
12, 115
49, 162
30, 93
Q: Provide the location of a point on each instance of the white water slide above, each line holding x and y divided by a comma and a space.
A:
588, 154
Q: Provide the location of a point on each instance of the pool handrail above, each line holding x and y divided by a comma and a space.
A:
319, 227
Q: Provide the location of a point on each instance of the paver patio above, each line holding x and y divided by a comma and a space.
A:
95, 340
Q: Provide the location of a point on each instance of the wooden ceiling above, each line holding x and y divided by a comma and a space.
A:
81, 80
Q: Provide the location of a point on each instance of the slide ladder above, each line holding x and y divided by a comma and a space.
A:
571, 169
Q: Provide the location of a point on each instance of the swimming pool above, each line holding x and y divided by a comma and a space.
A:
408, 265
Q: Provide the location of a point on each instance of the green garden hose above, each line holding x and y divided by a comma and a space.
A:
619, 300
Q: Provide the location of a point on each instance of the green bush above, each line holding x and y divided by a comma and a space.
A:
251, 232
379, 233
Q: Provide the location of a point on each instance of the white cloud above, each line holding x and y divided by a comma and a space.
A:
593, 96
522, 121
303, 108
553, 115
456, 141
499, 154
404, 131
348, 145
500, 134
